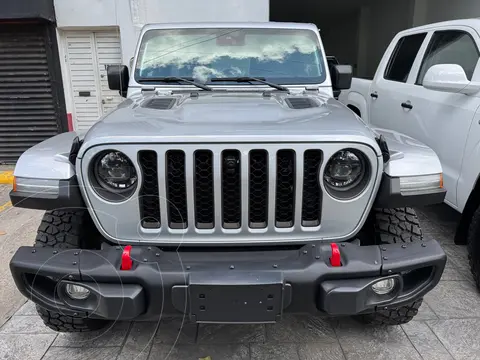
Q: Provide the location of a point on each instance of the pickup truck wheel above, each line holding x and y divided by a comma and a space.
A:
473, 246
394, 226
67, 230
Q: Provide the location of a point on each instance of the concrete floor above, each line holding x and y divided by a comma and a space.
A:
447, 327
17, 227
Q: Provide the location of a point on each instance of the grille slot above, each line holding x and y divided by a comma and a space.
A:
258, 189
285, 190
148, 196
204, 196
312, 193
231, 189
176, 190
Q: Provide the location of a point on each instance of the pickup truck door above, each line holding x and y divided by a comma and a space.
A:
389, 87
442, 120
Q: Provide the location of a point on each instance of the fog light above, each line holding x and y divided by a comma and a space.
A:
384, 287
77, 292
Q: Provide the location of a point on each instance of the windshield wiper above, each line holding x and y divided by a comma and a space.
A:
250, 79
169, 79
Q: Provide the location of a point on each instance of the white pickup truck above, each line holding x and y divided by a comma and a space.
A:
427, 86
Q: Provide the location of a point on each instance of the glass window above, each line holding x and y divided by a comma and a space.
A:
403, 57
284, 56
450, 47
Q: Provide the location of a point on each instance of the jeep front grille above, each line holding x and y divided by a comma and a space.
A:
226, 193
233, 189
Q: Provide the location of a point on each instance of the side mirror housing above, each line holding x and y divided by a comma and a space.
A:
449, 78
118, 78
341, 76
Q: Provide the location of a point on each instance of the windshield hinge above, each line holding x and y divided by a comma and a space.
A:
147, 89
312, 88
163, 92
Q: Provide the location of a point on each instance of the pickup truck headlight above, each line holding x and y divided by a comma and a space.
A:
346, 173
113, 175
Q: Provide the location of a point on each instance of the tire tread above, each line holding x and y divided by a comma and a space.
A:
473, 247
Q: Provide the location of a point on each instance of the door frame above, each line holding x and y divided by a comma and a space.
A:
65, 69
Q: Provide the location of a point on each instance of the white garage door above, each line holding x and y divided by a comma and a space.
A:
87, 55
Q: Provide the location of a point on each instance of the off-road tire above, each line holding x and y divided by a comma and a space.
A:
473, 246
393, 226
67, 230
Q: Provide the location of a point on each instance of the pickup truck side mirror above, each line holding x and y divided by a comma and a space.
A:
449, 78
118, 78
341, 76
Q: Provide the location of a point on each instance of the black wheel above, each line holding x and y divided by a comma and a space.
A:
67, 230
473, 246
392, 226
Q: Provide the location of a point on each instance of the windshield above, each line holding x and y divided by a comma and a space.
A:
282, 56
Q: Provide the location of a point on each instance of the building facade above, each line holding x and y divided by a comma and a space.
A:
53, 73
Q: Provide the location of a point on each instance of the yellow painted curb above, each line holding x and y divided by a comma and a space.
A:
6, 177
5, 206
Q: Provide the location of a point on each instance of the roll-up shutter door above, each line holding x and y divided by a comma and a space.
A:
29, 107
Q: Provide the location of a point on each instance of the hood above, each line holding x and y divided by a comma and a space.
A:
230, 117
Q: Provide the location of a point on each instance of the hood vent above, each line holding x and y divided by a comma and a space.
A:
159, 103
301, 103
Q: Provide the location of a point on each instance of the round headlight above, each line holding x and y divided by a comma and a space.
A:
344, 170
346, 173
115, 172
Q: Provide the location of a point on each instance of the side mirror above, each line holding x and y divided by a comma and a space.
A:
341, 76
118, 78
130, 63
449, 78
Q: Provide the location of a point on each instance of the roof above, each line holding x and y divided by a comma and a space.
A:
473, 23
229, 25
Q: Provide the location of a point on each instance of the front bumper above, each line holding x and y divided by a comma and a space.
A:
224, 285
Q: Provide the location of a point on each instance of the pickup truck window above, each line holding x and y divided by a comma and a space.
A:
403, 56
450, 47
286, 56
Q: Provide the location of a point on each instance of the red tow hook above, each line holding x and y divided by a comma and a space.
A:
126, 258
335, 259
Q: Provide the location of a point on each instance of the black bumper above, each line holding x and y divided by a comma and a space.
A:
227, 286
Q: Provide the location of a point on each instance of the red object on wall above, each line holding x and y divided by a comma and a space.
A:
70, 121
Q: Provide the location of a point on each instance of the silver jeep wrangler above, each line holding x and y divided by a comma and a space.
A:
231, 187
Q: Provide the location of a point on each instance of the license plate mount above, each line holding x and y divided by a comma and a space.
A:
242, 298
